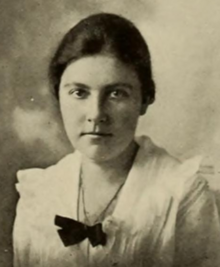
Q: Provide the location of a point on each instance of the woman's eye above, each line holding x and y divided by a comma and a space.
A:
78, 93
117, 94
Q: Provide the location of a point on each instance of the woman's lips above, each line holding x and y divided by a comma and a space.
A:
97, 137
97, 134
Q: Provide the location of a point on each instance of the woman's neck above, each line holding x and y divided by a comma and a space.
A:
113, 171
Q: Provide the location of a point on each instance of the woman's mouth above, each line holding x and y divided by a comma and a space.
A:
97, 137
97, 134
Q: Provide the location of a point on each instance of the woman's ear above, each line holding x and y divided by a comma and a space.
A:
144, 107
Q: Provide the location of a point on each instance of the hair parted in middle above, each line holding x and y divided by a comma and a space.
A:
105, 33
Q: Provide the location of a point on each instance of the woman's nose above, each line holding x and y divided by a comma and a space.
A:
96, 111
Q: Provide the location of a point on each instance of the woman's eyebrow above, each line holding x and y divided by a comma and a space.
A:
81, 85
108, 86
120, 84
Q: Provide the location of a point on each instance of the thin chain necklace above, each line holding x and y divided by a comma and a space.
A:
81, 191
103, 212
82, 188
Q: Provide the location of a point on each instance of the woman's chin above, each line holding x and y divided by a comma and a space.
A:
103, 150
98, 154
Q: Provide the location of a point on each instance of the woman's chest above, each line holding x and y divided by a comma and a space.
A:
138, 234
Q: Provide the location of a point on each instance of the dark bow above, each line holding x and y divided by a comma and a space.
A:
73, 232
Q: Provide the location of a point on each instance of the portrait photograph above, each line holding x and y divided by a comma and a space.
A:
110, 133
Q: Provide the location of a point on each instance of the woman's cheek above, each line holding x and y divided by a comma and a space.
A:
71, 110
72, 119
126, 115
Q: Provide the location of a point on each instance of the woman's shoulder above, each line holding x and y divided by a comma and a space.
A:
34, 182
150, 151
173, 175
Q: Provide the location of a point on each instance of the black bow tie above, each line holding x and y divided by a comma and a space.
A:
73, 232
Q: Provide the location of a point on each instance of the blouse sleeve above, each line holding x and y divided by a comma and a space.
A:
198, 227
28, 184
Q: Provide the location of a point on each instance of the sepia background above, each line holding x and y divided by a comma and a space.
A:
184, 40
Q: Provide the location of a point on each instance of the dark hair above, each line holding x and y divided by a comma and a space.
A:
105, 33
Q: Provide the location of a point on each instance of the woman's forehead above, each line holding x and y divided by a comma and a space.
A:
98, 68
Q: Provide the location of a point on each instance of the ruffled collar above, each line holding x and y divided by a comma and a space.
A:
153, 175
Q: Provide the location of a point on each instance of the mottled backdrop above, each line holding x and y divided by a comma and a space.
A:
184, 41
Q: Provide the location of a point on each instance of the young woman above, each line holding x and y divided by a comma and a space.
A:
118, 200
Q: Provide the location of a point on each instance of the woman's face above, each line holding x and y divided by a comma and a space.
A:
100, 102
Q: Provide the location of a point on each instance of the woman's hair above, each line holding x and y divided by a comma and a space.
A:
105, 33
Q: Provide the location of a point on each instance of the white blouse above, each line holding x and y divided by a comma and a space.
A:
165, 215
